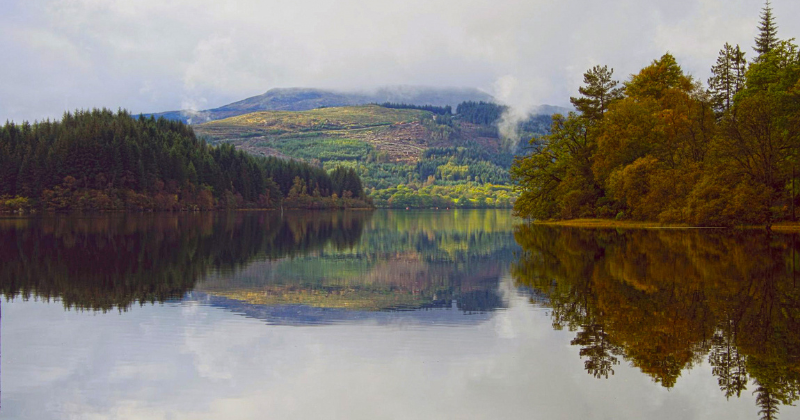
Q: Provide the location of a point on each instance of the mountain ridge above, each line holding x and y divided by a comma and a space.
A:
304, 99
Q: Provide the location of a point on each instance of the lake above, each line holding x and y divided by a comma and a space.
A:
392, 314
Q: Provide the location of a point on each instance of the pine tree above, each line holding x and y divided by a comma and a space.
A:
767, 32
727, 77
599, 92
739, 68
769, 405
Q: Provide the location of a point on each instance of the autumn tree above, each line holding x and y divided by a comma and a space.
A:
664, 148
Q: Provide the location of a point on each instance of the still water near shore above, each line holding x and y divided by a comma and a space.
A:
393, 314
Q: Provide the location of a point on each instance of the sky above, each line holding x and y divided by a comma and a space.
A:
159, 55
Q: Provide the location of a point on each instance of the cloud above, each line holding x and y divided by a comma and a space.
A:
92, 53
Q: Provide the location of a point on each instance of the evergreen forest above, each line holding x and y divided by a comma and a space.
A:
663, 147
100, 160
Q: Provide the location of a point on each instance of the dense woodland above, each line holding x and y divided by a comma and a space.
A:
660, 146
485, 113
101, 160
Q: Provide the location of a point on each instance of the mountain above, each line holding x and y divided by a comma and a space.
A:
302, 99
406, 157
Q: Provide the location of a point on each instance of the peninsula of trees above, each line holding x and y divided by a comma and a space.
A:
662, 147
101, 160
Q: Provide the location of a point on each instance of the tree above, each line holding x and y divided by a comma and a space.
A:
767, 38
598, 93
658, 78
727, 78
761, 137
556, 179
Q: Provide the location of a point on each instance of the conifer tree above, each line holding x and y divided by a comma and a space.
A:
767, 32
727, 77
599, 91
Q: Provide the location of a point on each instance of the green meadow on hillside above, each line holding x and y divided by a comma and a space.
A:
405, 157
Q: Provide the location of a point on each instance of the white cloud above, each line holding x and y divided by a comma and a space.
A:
101, 53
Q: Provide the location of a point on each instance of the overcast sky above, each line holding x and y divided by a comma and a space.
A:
158, 55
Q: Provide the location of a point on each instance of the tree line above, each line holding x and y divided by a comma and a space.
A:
101, 160
660, 146
439, 110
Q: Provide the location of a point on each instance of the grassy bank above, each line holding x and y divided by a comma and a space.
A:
629, 224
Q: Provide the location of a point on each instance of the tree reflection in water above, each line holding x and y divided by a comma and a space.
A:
666, 300
356, 260
107, 262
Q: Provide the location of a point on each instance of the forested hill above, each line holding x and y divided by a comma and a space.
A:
101, 160
407, 155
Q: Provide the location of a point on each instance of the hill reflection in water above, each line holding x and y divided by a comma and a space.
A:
352, 261
666, 300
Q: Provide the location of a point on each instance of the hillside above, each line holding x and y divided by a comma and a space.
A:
302, 99
335, 134
405, 157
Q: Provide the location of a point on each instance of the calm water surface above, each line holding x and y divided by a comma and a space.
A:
393, 314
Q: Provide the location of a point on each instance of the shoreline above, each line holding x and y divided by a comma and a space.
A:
182, 211
627, 224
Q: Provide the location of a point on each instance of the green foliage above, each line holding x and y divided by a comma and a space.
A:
323, 149
15, 204
559, 166
439, 127
455, 195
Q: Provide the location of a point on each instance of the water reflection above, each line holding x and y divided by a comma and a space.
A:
403, 261
106, 262
346, 270
354, 261
664, 301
